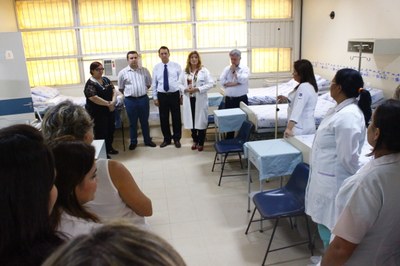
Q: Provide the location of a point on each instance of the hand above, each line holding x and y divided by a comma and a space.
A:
156, 103
288, 133
282, 99
111, 107
233, 68
230, 84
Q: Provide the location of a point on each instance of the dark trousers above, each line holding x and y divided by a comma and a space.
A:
198, 135
170, 103
138, 109
104, 127
234, 102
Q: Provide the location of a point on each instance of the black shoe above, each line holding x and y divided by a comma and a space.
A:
112, 151
150, 144
165, 144
177, 144
132, 146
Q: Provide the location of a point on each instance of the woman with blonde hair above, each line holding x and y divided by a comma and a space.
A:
117, 244
194, 83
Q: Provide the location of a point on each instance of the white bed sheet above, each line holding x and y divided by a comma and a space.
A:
263, 116
267, 95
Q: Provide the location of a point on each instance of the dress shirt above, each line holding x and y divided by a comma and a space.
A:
242, 74
134, 82
174, 71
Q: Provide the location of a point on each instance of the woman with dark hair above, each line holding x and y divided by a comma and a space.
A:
76, 182
302, 100
336, 148
366, 230
194, 83
101, 97
118, 195
27, 197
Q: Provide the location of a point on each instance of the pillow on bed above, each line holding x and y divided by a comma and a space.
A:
46, 92
38, 99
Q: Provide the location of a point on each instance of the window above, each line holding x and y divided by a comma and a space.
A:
61, 36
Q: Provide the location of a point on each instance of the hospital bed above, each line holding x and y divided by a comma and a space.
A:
267, 95
263, 116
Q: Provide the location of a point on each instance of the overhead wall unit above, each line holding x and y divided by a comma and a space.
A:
374, 46
15, 95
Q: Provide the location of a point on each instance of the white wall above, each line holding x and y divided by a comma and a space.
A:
8, 22
325, 40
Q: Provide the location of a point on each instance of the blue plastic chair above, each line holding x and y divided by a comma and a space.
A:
235, 145
284, 202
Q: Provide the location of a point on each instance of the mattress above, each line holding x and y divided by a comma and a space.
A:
267, 95
263, 116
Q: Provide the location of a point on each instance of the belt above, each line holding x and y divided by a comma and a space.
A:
230, 97
133, 97
168, 92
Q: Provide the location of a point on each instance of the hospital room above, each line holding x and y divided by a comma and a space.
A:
215, 193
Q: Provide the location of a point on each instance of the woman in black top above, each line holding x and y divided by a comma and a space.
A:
100, 103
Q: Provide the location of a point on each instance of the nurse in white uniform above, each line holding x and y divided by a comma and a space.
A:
302, 100
366, 231
336, 148
194, 83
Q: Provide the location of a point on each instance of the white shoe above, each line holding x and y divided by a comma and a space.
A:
315, 260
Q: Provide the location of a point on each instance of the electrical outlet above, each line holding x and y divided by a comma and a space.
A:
9, 55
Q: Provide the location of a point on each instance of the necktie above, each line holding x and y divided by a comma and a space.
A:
166, 85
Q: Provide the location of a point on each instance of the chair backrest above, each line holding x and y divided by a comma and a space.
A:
298, 181
244, 132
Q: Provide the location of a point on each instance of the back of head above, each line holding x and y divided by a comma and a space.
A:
386, 118
117, 244
352, 85
27, 177
73, 160
66, 118
305, 70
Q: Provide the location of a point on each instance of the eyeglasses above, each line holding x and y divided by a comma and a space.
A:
100, 69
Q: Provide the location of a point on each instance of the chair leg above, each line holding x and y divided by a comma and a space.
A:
270, 240
123, 134
251, 220
215, 159
240, 160
222, 169
310, 242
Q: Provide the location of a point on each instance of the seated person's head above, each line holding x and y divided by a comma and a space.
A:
117, 244
75, 178
27, 192
384, 129
67, 118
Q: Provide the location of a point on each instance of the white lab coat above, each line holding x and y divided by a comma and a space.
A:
334, 157
367, 204
204, 82
301, 109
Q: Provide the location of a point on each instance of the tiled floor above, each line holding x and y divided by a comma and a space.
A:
205, 222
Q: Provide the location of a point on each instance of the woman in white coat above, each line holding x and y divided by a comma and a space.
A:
302, 100
194, 83
337, 147
366, 230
